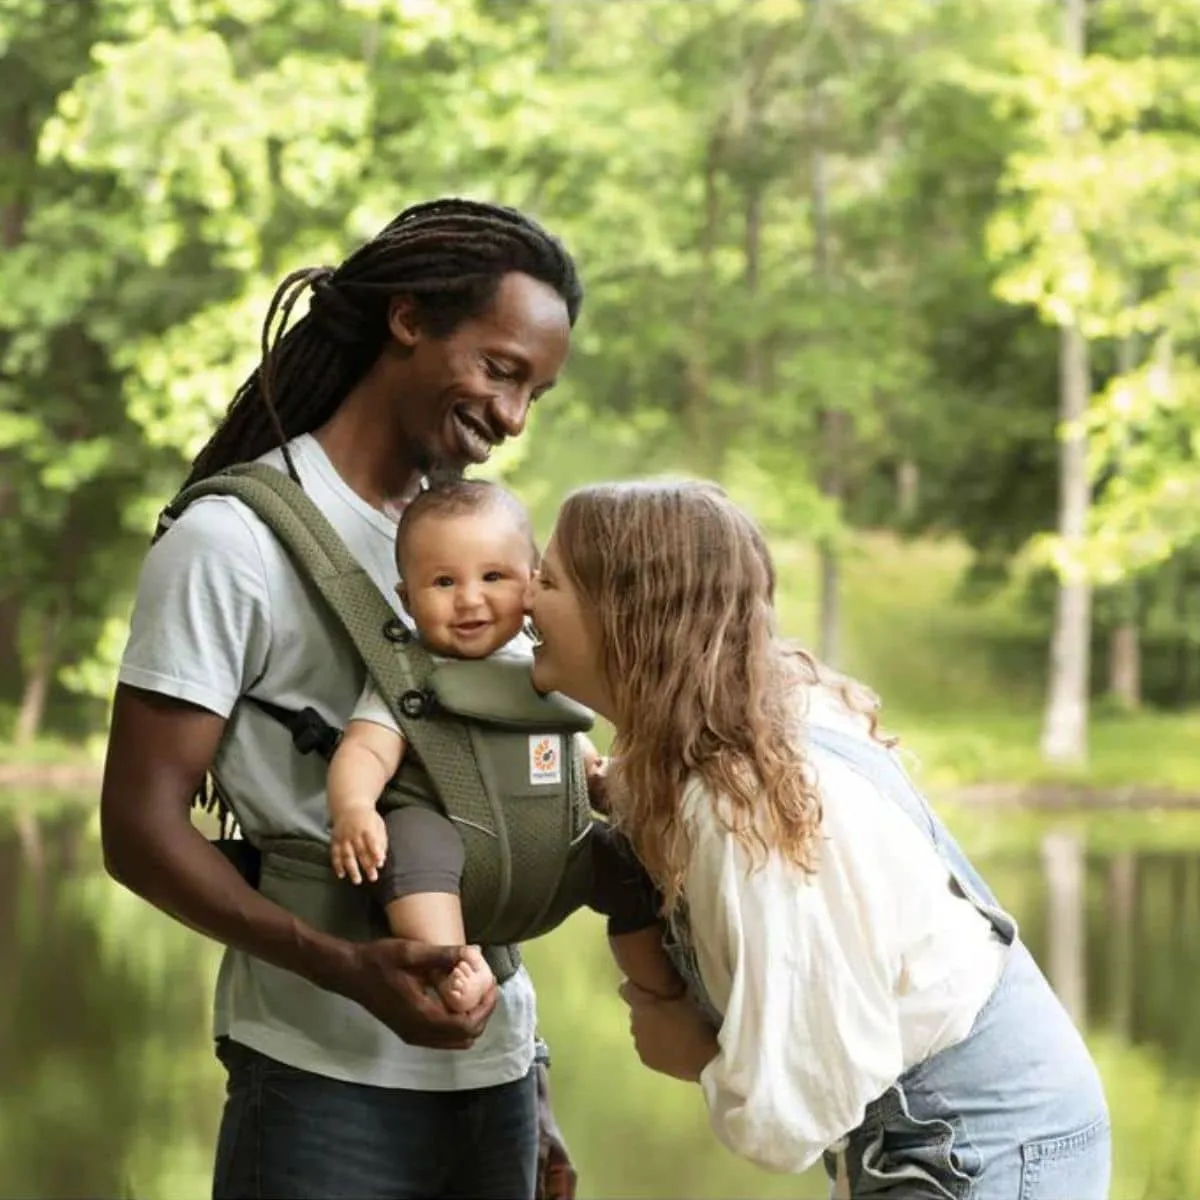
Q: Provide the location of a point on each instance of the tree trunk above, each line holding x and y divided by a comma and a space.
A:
10, 622
1124, 648
753, 257
1185, 657
908, 488
1125, 666
33, 703
833, 487
1064, 728
698, 414
39, 674
18, 154
832, 422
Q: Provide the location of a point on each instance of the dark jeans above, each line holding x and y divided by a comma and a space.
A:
289, 1133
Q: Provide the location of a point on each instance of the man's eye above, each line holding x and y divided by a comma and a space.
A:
498, 371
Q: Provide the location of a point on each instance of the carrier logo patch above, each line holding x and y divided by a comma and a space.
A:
545, 758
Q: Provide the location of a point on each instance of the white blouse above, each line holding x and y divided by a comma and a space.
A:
831, 985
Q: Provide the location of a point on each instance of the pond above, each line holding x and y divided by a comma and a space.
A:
108, 1086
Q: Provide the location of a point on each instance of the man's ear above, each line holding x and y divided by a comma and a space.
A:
403, 320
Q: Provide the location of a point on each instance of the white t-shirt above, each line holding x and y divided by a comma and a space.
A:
831, 985
221, 611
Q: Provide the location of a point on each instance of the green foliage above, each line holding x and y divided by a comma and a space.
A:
782, 210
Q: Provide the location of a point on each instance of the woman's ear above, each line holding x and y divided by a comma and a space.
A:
404, 321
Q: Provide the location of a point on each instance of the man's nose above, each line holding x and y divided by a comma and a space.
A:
510, 411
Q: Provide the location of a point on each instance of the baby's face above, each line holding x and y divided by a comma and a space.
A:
464, 582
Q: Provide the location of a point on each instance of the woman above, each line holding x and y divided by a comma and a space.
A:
855, 990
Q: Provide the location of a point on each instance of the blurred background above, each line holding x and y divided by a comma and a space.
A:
915, 279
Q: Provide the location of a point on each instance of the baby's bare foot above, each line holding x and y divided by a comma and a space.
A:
465, 986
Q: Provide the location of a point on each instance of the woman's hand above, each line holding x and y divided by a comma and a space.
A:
596, 771
672, 1037
595, 768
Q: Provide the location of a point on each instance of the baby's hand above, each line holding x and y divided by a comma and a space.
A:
359, 840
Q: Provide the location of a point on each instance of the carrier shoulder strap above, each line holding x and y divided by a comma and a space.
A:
399, 666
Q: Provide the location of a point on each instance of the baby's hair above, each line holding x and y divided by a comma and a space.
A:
461, 498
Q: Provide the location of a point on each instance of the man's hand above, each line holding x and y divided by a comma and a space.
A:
394, 978
159, 750
671, 1036
557, 1177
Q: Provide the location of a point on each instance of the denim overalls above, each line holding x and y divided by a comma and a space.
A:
1016, 1110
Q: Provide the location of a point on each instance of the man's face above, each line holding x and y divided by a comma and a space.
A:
465, 393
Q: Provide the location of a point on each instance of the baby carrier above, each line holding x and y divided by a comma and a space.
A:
483, 747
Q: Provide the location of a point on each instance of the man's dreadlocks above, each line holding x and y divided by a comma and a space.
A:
449, 255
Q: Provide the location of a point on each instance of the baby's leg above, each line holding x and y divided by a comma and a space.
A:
436, 918
419, 890
626, 895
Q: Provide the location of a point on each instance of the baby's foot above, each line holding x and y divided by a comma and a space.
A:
465, 986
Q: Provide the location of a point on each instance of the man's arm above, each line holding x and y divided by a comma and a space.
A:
159, 750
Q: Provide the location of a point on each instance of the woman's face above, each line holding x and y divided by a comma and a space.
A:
568, 656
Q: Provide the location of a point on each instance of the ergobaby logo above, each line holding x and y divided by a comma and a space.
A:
545, 758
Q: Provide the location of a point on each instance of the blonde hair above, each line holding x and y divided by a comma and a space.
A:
680, 585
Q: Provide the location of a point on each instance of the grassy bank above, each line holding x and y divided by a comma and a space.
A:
51, 751
962, 683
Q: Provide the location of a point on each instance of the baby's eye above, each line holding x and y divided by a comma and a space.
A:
443, 581
493, 576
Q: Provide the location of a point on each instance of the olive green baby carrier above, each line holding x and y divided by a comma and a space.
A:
483, 748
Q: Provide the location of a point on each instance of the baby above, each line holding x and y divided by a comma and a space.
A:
466, 554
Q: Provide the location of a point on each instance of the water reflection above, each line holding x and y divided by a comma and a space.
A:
108, 1086
105, 1084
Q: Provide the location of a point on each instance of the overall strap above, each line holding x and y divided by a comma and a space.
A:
399, 666
882, 768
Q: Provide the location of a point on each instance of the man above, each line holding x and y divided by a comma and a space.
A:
420, 353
